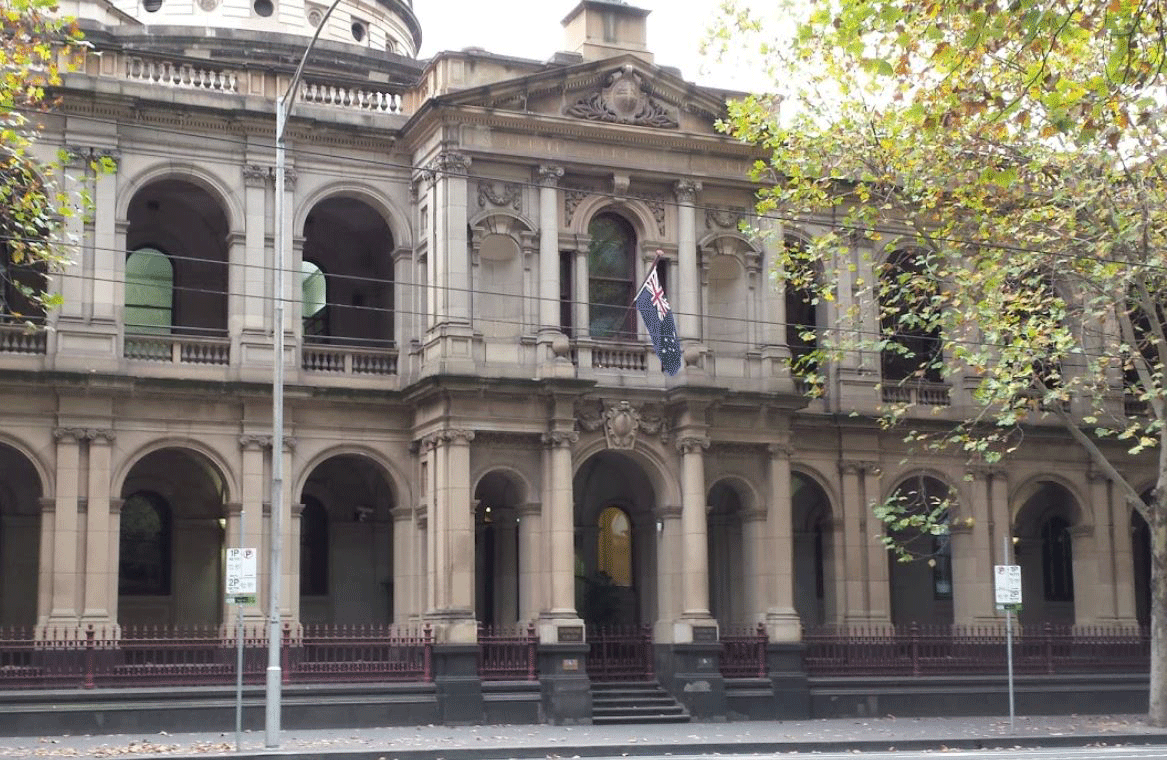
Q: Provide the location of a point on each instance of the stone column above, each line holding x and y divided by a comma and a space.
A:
668, 576
1124, 567
972, 555
878, 584
450, 242
782, 621
1087, 598
757, 562
113, 550
1100, 499
97, 560
452, 525
66, 583
547, 177
248, 275
254, 491
559, 528
406, 306
404, 566
1002, 547
423, 592
108, 260
851, 548
48, 538
580, 295
531, 570
71, 284
695, 549
687, 308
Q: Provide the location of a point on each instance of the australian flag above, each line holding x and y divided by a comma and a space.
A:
658, 319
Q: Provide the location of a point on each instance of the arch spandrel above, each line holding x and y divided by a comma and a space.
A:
392, 475
391, 215
220, 190
227, 476
1080, 515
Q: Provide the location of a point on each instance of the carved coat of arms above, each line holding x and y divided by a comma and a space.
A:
625, 99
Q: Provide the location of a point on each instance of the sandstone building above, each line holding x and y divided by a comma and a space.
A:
477, 430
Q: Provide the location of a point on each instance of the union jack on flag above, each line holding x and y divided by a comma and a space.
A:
659, 321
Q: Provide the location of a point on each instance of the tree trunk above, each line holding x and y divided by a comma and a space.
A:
1157, 714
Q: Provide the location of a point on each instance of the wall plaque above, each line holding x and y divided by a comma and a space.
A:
704, 634
570, 633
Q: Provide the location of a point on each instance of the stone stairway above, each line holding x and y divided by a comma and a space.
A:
619, 702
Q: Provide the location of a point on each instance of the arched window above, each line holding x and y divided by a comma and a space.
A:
149, 292
612, 275
144, 546
313, 548
614, 546
314, 292
913, 345
1057, 560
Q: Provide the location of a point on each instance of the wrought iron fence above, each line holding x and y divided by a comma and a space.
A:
743, 652
620, 653
952, 650
507, 654
130, 656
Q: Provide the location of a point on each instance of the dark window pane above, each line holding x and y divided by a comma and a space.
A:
144, 546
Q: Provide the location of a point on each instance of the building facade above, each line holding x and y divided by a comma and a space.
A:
477, 430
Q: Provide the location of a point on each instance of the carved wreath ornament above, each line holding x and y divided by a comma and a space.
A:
624, 100
622, 422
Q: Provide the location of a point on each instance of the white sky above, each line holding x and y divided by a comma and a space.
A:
531, 29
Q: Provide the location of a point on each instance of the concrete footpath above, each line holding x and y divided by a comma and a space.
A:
482, 742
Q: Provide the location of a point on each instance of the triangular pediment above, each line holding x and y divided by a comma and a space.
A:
622, 90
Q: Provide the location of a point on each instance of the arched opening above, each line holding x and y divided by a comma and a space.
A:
921, 575
802, 317
346, 526
176, 266
496, 550
727, 573
814, 553
615, 550
611, 277
907, 320
351, 249
1043, 545
170, 541
20, 527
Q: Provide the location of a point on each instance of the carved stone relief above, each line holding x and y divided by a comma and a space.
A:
625, 99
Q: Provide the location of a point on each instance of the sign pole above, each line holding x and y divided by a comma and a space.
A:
239, 661
1009, 640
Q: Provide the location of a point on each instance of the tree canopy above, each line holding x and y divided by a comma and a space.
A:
1001, 167
36, 46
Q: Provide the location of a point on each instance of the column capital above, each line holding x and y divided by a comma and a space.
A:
115, 506
686, 190
548, 175
560, 438
985, 471
290, 176
109, 158
254, 442
234, 508
255, 175
780, 450
856, 467
457, 436
450, 162
47, 504
401, 514
692, 444
100, 435
297, 510
77, 434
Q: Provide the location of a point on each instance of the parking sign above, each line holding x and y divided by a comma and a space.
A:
1008, 585
241, 575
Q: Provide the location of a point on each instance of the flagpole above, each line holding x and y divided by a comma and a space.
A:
636, 293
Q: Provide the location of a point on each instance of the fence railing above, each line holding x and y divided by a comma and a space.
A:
620, 653
743, 652
952, 650
158, 656
508, 654
920, 394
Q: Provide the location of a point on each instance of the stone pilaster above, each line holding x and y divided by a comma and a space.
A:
66, 583
452, 538
99, 564
109, 259
531, 569
695, 572
782, 621
405, 602
686, 308
559, 529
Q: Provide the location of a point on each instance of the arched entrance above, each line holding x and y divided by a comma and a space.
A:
727, 574
1045, 551
171, 539
347, 275
921, 577
814, 576
346, 543
496, 551
614, 542
20, 527
176, 264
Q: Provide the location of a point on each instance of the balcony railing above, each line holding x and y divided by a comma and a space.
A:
171, 349
507, 654
347, 360
17, 338
629, 357
917, 394
743, 653
918, 650
161, 656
